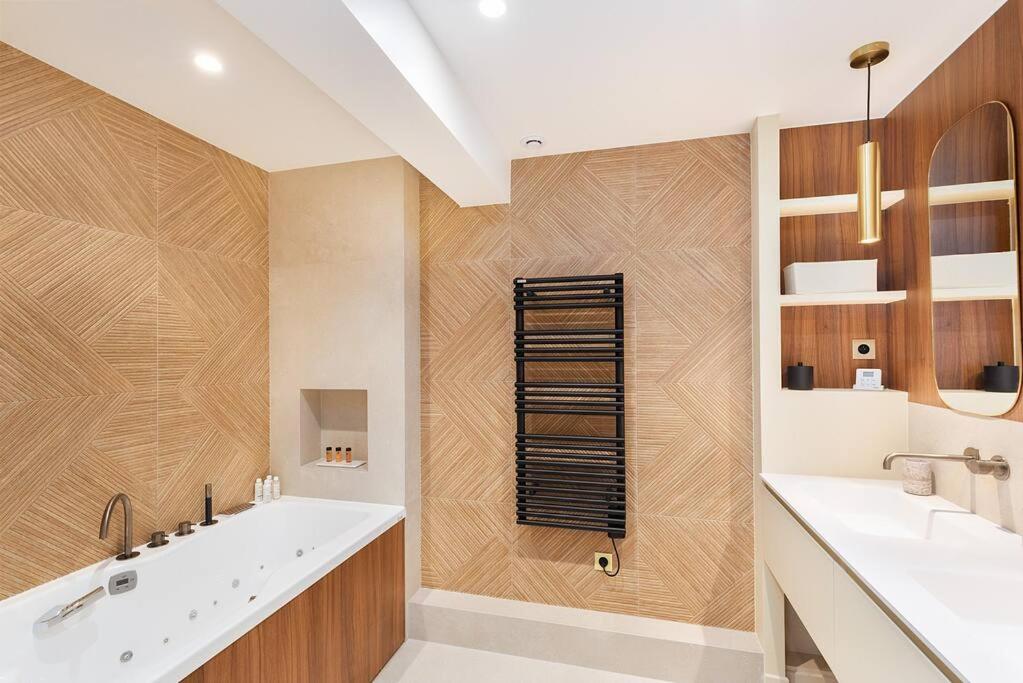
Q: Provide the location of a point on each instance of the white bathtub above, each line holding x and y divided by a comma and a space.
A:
194, 596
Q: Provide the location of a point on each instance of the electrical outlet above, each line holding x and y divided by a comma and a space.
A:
610, 562
864, 349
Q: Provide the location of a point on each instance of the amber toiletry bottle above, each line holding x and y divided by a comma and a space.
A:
329, 457
348, 455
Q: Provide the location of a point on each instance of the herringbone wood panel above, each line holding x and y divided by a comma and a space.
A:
675, 218
133, 321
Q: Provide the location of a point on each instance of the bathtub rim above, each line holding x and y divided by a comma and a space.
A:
172, 669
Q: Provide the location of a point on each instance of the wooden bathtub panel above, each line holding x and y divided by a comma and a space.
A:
343, 629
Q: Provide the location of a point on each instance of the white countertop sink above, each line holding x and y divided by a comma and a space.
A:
953, 578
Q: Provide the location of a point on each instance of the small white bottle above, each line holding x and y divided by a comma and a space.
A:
257, 494
277, 487
268, 491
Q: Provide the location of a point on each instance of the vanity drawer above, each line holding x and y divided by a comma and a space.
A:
861, 643
869, 647
803, 569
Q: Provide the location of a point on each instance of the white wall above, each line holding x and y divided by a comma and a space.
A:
821, 432
939, 430
344, 314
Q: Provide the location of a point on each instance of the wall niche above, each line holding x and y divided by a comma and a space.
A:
335, 418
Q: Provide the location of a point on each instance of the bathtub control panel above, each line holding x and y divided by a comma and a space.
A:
123, 582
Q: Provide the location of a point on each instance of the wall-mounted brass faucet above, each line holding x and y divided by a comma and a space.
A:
104, 526
996, 466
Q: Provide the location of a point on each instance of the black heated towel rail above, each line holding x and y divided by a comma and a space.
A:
570, 480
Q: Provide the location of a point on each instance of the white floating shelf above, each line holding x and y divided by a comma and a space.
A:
834, 390
843, 298
974, 294
343, 465
839, 203
993, 190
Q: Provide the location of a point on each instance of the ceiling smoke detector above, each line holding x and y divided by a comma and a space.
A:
532, 142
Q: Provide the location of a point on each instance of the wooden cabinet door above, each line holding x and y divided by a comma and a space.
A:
342, 629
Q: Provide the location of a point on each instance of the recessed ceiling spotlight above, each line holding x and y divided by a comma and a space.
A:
532, 142
208, 62
493, 8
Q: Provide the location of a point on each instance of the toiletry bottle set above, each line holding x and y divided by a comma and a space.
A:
335, 454
267, 490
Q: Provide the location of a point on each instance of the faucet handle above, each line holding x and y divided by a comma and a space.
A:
184, 528
157, 539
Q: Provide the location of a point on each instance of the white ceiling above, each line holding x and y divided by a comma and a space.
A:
594, 74
310, 82
259, 108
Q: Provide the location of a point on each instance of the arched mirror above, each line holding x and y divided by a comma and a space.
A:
975, 289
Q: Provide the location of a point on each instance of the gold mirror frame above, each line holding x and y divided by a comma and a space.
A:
973, 302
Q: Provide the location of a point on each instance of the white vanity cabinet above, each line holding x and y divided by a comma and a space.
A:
857, 638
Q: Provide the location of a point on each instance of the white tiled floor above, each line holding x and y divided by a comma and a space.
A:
421, 662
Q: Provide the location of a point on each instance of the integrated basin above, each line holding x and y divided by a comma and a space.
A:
951, 577
985, 598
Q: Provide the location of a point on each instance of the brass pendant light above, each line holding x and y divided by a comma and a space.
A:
868, 156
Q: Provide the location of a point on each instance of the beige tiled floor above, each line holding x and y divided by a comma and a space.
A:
421, 662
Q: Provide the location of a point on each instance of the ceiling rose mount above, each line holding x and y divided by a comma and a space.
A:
870, 54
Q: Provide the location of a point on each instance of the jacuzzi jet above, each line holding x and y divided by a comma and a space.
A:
235, 583
192, 615
214, 603
166, 640
126, 656
298, 553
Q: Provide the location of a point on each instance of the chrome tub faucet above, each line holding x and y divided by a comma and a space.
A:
104, 527
997, 467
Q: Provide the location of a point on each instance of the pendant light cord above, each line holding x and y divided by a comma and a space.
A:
868, 101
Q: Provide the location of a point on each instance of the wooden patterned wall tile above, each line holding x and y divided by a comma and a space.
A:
40, 358
129, 345
208, 291
448, 234
88, 278
580, 217
698, 564
675, 219
128, 439
217, 206
134, 349
42, 439
59, 531
201, 212
180, 427
71, 167
32, 92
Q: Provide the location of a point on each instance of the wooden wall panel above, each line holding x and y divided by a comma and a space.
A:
134, 300
821, 336
675, 219
342, 629
987, 66
819, 161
